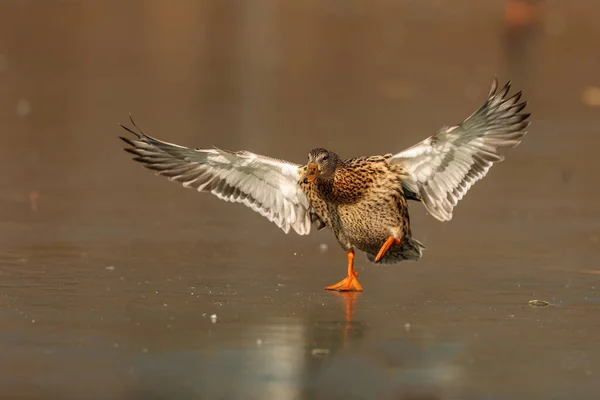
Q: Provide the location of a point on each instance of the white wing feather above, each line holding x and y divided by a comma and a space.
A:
266, 185
441, 169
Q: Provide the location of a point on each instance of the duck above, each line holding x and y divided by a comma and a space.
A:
362, 200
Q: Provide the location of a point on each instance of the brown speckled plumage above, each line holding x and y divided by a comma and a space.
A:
363, 204
363, 200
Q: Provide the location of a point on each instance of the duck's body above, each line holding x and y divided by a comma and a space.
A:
363, 201
363, 204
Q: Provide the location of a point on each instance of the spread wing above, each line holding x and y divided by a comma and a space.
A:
441, 169
266, 185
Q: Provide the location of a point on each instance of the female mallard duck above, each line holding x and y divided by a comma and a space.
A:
362, 200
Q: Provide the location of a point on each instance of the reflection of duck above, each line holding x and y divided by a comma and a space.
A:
362, 200
333, 333
338, 331
357, 362
349, 300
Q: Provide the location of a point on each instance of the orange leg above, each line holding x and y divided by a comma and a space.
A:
350, 283
386, 246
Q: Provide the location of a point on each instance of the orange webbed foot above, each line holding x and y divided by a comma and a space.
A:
350, 283
386, 246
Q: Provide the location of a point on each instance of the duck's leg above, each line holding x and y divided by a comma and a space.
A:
350, 283
386, 246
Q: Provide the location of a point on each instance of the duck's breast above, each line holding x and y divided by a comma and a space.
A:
377, 216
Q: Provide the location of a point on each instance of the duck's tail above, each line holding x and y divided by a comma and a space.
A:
408, 249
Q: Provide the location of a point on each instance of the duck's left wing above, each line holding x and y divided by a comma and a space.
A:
266, 185
441, 169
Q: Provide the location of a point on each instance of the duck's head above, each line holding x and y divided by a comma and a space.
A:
321, 164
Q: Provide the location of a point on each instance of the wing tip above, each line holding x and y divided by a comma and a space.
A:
137, 132
494, 86
128, 129
128, 141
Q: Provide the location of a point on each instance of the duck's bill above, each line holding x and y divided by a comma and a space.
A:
312, 172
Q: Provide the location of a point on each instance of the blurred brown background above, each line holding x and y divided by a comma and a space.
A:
110, 275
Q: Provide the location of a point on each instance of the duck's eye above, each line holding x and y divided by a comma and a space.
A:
325, 158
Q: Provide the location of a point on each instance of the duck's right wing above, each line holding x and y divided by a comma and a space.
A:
266, 185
